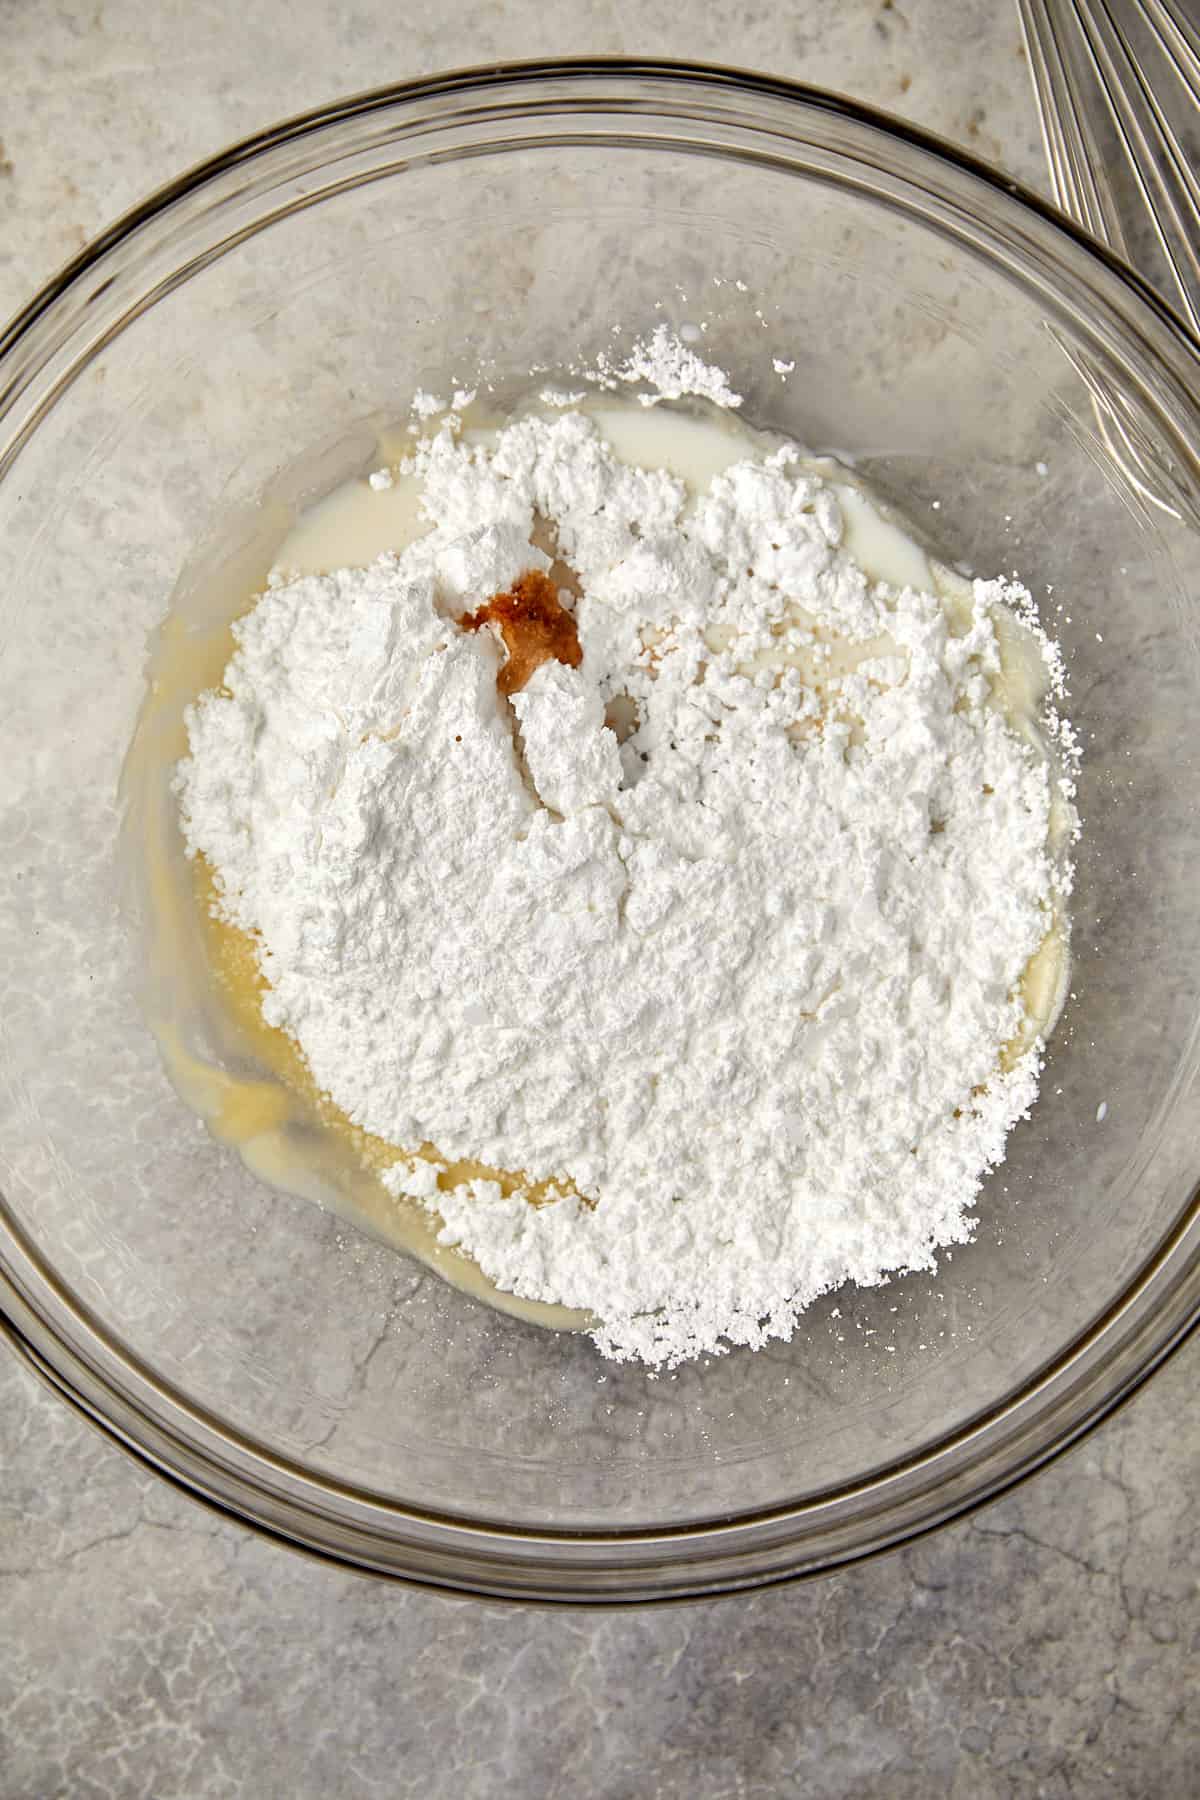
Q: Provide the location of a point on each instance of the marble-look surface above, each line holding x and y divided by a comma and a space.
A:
1046, 1647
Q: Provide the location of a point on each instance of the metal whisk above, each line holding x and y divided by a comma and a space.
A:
1117, 84
1118, 91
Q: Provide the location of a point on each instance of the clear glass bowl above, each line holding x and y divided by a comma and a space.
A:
967, 347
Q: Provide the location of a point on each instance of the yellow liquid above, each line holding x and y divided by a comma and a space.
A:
248, 1080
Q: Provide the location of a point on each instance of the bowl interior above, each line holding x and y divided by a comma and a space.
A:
955, 383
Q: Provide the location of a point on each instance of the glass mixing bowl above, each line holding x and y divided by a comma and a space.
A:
968, 348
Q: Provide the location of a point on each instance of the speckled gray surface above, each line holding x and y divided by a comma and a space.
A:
1046, 1647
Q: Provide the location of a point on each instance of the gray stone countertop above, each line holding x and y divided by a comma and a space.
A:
1047, 1646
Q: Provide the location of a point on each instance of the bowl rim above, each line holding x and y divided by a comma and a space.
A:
485, 76
614, 1566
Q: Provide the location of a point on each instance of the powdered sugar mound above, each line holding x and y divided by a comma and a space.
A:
571, 755
737, 985
672, 371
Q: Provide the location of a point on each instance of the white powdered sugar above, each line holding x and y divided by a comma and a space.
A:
672, 370
666, 367
735, 987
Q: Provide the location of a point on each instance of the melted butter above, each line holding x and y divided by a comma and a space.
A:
248, 1080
